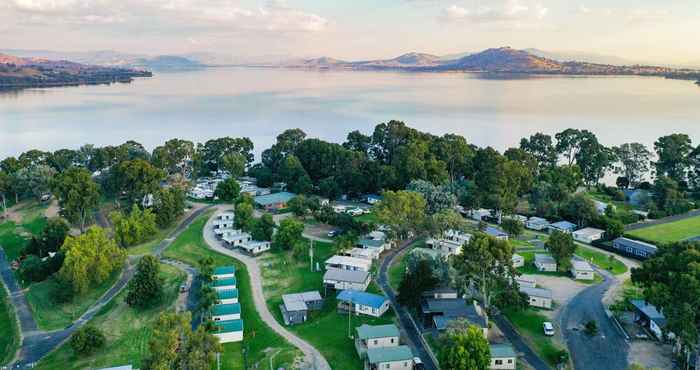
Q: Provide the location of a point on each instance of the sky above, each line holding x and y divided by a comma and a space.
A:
640, 30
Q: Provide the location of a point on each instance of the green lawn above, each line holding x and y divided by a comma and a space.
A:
669, 232
127, 330
530, 269
529, 324
50, 315
260, 343
601, 260
398, 268
9, 333
14, 237
369, 218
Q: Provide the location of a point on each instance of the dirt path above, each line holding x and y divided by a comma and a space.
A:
53, 209
312, 355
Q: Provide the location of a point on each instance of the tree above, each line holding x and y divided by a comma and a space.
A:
671, 281
437, 198
463, 346
562, 247
32, 269
513, 227
168, 206
134, 228
146, 287
214, 151
633, 162
447, 219
673, 160
499, 181
78, 195
541, 147
206, 269
569, 143
89, 259
35, 180
87, 340
228, 190
174, 156
264, 228
591, 328
579, 208
5, 188
243, 216
51, 238
137, 179
456, 153
594, 159
235, 164
402, 211
298, 206
415, 283
485, 265
288, 234
668, 197
358, 142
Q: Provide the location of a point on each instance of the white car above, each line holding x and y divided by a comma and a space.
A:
548, 328
355, 212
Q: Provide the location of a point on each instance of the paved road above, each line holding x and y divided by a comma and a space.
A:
607, 350
313, 356
36, 343
405, 321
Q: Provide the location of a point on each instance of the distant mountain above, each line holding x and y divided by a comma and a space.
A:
165, 62
567, 56
109, 58
495, 60
17, 72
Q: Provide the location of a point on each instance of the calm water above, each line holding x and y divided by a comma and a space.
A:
261, 103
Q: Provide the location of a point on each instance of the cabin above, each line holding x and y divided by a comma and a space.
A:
545, 263
437, 313
503, 357
255, 247
229, 331
295, 307
441, 293
236, 238
496, 233
223, 224
226, 312
224, 284
588, 235
538, 297
635, 248
366, 253
399, 357
375, 336
227, 296
648, 316
526, 281
339, 279
479, 214
224, 272
562, 226
357, 302
445, 247
582, 270
537, 224
372, 199
226, 216
348, 263
518, 260
274, 202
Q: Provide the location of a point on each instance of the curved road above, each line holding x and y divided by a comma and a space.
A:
608, 349
36, 343
313, 356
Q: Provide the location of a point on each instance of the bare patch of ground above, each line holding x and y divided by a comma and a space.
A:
317, 230
651, 355
52, 210
563, 289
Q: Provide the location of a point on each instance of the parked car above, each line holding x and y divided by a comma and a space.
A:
183, 288
333, 233
548, 328
418, 364
355, 212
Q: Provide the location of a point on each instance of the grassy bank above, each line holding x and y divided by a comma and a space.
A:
52, 316
127, 330
14, 236
9, 332
398, 268
529, 324
260, 342
601, 260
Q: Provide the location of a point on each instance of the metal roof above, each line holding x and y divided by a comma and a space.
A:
225, 270
581, 266
349, 261
346, 275
389, 354
377, 331
564, 225
362, 298
536, 292
545, 258
227, 294
228, 326
649, 310
224, 282
502, 351
626, 242
452, 308
226, 309
297, 301
275, 198
589, 231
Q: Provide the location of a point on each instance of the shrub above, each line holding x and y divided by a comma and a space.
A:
87, 340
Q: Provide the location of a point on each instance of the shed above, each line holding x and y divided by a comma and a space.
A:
649, 316
226, 312
295, 307
588, 235
545, 263
362, 303
503, 357
340, 279
227, 296
229, 331
538, 297
375, 336
563, 226
255, 247
400, 357
518, 260
536, 223
495, 232
582, 270
224, 272
349, 263
275, 201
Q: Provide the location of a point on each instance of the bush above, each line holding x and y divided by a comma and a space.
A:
87, 340
32, 269
61, 291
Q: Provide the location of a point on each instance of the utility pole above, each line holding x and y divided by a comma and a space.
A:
311, 254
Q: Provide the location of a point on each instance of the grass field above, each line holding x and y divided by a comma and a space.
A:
13, 236
529, 324
369, 218
669, 232
127, 330
52, 316
260, 342
326, 330
9, 332
601, 260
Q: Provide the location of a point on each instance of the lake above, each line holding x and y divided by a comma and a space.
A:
260, 103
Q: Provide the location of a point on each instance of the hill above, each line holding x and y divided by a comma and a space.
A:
16, 72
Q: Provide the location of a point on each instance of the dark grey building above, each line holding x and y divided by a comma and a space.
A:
295, 307
634, 248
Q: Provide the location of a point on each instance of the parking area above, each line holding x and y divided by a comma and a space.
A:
319, 231
651, 354
563, 289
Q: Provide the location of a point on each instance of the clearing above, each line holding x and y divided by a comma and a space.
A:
669, 232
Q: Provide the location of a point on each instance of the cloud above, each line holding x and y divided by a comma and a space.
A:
646, 15
222, 15
507, 11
